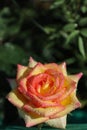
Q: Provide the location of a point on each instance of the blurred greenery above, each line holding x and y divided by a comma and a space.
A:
47, 30
69, 127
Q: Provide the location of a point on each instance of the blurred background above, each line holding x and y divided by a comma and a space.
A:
49, 31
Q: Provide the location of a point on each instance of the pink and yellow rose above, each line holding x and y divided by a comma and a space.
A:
45, 93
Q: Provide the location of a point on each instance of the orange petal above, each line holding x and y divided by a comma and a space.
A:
58, 122
39, 102
55, 96
59, 68
31, 96
52, 66
32, 62
16, 98
22, 86
45, 112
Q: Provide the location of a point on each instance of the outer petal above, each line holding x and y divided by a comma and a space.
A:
58, 122
45, 112
76, 77
16, 98
60, 68
39, 68
70, 86
70, 103
21, 71
52, 66
32, 62
32, 119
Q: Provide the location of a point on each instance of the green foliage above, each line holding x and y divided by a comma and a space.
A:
49, 31
10, 56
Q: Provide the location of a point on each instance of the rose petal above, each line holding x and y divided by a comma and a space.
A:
70, 86
52, 66
22, 86
59, 68
40, 103
32, 62
16, 98
39, 68
76, 77
65, 90
70, 105
62, 68
71, 100
46, 112
58, 122
21, 71
55, 96
32, 119
31, 96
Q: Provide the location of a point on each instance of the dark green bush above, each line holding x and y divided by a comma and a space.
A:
47, 30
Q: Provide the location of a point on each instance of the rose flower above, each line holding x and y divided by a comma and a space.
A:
45, 93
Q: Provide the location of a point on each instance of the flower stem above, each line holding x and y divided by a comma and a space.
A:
40, 126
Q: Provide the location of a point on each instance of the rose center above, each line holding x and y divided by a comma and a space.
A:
44, 86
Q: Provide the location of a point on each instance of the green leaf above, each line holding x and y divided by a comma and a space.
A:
10, 56
70, 60
71, 36
84, 32
12, 30
84, 9
70, 27
49, 30
5, 11
83, 21
56, 4
2, 28
81, 46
